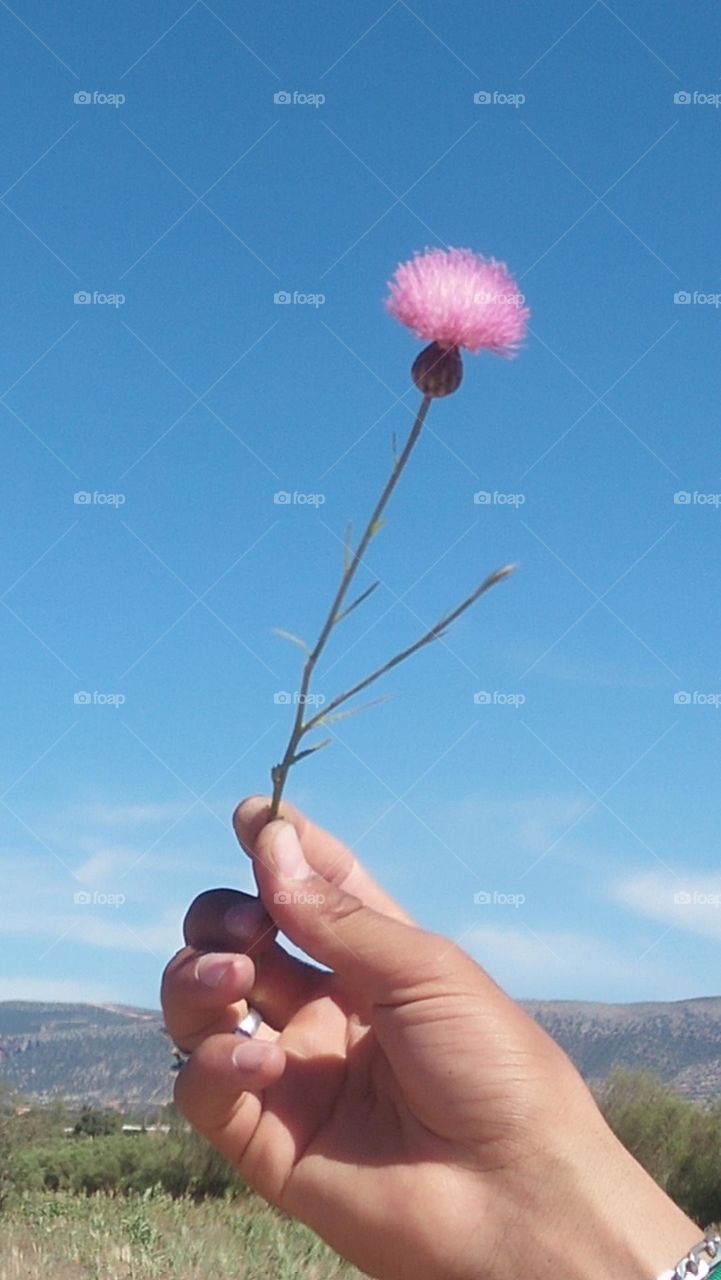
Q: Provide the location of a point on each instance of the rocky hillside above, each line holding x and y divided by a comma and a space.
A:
119, 1056
108, 1054
679, 1041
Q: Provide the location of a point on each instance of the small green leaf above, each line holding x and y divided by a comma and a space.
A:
288, 635
351, 711
310, 750
376, 527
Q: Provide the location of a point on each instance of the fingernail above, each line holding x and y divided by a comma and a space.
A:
250, 1055
211, 969
246, 918
249, 809
287, 854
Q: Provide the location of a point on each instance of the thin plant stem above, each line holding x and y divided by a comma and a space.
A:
279, 773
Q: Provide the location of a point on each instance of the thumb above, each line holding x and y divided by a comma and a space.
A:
384, 958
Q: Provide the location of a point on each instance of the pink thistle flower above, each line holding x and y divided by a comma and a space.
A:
457, 298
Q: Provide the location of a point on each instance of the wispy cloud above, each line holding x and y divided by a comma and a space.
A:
690, 902
103, 921
527, 822
103, 814
565, 964
106, 862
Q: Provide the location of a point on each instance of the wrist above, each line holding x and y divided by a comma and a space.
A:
629, 1229
594, 1215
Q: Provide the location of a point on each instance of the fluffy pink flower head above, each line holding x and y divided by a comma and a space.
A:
459, 299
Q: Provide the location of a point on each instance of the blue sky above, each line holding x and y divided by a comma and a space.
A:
579, 797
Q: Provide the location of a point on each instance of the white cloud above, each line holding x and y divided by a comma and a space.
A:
563, 965
571, 669
691, 901
98, 924
528, 822
525, 958
134, 815
106, 861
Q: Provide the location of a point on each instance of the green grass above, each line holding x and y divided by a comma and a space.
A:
60, 1236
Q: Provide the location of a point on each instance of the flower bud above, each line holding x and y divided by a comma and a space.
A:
438, 371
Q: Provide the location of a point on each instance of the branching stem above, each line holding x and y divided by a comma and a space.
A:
279, 773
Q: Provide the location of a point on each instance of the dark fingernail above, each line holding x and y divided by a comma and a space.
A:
245, 919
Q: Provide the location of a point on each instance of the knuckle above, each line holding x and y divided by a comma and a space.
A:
337, 907
172, 971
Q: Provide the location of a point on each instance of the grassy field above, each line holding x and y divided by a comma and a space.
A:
56, 1236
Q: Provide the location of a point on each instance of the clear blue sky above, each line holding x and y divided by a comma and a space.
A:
198, 397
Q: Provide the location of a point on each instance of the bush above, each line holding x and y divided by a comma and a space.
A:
94, 1122
675, 1140
181, 1164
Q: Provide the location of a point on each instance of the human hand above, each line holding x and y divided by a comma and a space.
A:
401, 1104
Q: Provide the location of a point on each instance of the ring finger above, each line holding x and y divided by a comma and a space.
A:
205, 993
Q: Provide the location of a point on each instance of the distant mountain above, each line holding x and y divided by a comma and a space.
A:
115, 1055
111, 1055
680, 1041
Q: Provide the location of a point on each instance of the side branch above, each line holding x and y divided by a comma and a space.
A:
433, 634
279, 772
